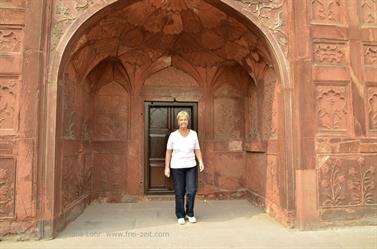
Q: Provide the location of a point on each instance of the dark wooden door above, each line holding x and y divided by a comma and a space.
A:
160, 121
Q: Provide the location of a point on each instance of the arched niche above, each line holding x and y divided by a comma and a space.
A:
246, 42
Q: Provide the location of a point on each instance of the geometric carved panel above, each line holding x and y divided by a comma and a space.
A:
332, 108
8, 103
7, 187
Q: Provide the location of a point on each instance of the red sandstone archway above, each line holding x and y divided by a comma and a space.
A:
261, 71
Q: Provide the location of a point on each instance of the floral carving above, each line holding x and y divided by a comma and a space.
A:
329, 53
368, 11
370, 55
347, 182
7, 103
332, 183
372, 105
327, 10
332, 107
362, 183
10, 40
65, 13
83, 4
271, 14
7, 182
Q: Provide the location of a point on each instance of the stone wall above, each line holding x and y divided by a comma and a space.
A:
335, 75
22, 46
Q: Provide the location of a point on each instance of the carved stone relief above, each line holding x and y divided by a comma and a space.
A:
332, 183
270, 107
370, 55
372, 108
346, 182
272, 178
10, 40
12, 3
332, 107
111, 113
76, 177
228, 112
254, 133
64, 14
329, 53
361, 182
7, 187
272, 14
228, 119
368, 12
8, 103
70, 93
327, 11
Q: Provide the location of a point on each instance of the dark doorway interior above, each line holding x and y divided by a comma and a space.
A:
160, 121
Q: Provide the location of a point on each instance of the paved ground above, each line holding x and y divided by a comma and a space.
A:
221, 224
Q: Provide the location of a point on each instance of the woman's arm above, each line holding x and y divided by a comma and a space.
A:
198, 154
167, 162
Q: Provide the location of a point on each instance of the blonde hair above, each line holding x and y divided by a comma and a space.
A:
183, 114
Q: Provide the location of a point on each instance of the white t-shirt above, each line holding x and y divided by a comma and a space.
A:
183, 155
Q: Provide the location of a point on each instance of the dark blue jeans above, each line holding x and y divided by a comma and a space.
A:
185, 182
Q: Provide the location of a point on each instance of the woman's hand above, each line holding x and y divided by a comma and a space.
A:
201, 166
167, 172
167, 163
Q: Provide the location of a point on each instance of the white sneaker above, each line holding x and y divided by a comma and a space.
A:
181, 221
191, 219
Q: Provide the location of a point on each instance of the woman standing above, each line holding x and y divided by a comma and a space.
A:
182, 146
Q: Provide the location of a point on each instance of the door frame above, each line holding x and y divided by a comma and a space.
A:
147, 106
